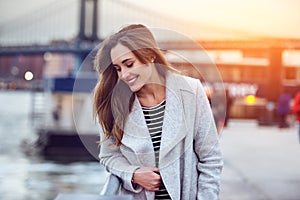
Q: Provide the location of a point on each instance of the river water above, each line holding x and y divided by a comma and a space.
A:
31, 177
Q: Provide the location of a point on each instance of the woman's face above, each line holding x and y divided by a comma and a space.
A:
132, 71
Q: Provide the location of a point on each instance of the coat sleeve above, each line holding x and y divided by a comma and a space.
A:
207, 148
115, 162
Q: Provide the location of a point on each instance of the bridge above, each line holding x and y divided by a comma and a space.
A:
88, 46
64, 25
43, 32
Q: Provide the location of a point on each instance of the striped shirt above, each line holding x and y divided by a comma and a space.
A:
154, 119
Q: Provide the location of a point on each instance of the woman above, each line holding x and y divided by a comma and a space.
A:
158, 134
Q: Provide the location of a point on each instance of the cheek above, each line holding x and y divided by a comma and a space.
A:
118, 74
147, 71
142, 70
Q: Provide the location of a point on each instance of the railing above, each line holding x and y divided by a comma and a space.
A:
109, 192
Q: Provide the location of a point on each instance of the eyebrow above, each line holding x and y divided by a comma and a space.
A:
124, 61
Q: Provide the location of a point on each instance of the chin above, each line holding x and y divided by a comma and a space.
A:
135, 88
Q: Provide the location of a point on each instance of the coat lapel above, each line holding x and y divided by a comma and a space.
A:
174, 126
136, 136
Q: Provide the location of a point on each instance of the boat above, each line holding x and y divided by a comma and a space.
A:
63, 120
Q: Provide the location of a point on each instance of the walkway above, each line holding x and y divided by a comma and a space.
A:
260, 163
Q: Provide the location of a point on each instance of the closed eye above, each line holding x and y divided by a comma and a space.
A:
126, 63
129, 64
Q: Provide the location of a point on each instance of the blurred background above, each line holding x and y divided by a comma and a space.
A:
249, 49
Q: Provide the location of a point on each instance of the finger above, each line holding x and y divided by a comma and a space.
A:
152, 187
156, 187
156, 178
154, 169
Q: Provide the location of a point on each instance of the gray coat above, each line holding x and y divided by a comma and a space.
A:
190, 160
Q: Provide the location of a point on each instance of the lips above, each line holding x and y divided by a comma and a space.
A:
131, 81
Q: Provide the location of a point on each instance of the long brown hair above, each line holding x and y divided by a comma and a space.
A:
113, 99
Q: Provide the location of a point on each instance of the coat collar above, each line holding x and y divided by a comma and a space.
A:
174, 126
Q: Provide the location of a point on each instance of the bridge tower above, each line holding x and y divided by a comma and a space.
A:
88, 22
88, 28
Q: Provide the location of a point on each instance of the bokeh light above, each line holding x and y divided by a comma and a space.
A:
28, 75
250, 99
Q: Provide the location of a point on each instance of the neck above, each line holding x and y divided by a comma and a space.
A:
152, 93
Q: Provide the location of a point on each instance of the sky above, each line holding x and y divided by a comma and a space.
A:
265, 18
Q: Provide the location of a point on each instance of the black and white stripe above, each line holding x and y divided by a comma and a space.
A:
154, 117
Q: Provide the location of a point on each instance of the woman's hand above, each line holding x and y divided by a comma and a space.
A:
148, 178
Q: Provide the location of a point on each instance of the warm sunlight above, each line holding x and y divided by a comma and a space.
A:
160, 99
256, 18
199, 19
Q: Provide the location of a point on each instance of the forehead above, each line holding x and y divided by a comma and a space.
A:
120, 53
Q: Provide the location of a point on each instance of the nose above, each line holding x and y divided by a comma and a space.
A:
123, 74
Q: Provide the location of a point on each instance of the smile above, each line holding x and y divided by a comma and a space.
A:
131, 81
